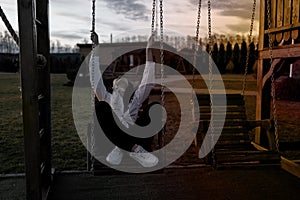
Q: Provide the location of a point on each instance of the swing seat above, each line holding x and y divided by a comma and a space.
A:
234, 147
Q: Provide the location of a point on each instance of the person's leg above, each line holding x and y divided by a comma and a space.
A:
144, 120
111, 129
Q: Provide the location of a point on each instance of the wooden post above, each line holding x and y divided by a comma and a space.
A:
287, 19
295, 18
260, 68
35, 81
43, 49
28, 52
279, 19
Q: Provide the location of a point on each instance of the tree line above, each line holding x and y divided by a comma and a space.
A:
228, 52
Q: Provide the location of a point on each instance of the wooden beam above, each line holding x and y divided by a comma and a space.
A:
9, 27
258, 147
259, 98
295, 25
43, 48
295, 18
279, 19
290, 166
261, 25
287, 19
270, 72
29, 79
288, 51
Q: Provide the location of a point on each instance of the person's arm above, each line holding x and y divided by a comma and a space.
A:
96, 80
144, 89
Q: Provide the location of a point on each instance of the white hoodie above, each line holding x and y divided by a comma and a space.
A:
115, 100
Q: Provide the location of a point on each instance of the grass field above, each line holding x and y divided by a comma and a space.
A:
68, 151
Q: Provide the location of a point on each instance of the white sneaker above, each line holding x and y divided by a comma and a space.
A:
115, 156
145, 158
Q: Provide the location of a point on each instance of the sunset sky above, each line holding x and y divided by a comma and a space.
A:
70, 20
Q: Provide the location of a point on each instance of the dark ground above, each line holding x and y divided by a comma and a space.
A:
187, 183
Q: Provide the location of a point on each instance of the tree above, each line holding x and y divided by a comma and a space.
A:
228, 54
236, 57
243, 57
221, 63
215, 54
252, 57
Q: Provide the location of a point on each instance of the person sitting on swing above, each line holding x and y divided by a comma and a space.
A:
112, 104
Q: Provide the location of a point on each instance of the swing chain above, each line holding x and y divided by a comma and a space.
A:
196, 44
93, 15
248, 52
162, 61
153, 16
195, 59
274, 107
211, 81
92, 141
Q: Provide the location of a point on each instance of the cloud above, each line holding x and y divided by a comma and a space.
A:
131, 9
74, 16
116, 26
239, 28
67, 35
234, 8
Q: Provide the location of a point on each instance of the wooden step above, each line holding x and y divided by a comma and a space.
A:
247, 156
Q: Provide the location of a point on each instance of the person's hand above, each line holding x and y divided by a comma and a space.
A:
150, 41
94, 38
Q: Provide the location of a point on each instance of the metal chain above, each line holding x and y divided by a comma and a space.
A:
195, 55
248, 52
272, 77
153, 16
93, 15
92, 87
211, 81
162, 61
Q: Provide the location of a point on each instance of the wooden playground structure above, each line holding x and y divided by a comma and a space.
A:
279, 20
279, 39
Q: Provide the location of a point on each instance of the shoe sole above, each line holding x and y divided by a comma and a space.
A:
144, 164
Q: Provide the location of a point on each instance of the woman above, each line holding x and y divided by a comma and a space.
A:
114, 118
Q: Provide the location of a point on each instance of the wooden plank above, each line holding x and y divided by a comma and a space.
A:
279, 19
273, 19
43, 48
217, 116
261, 25
247, 152
290, 166
233, 137
258, 147
270, 72
295, 25
28, 51
229, 131
287, 19
258, 156
227, 123
295, 18
219, 102
235, 147
288, 51
259, 98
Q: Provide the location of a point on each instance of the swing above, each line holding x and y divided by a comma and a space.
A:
92, 165
234, 147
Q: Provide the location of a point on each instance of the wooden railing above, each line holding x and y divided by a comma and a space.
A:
284, 24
